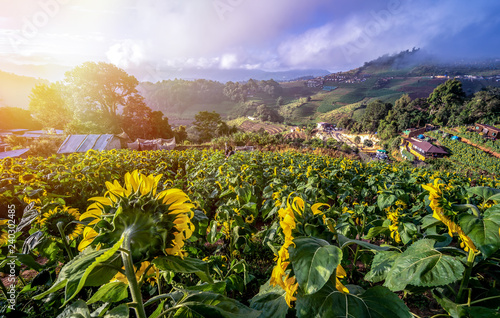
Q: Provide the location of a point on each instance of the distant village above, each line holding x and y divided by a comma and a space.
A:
327, 83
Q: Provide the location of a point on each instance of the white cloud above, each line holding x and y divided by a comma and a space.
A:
229, 61
126, 53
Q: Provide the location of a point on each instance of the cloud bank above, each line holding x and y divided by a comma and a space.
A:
250, 34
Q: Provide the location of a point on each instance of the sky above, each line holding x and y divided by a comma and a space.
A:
275, 35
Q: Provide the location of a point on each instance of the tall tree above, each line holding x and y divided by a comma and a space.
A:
375, 111
207, 123
484, 107
100, 90
446, 102
49, 106
139, 121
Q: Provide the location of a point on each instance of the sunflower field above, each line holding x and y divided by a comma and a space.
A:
259, 234
469, 155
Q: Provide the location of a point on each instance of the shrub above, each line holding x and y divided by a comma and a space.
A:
368, 143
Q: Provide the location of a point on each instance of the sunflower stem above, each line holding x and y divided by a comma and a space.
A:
132, 280
65, 242
466, 277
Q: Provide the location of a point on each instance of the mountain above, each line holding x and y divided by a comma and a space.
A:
221, 75
418, 62
15, 89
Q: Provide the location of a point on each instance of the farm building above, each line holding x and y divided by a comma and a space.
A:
19, 153
324, 126
83, 143
487, 130
412, 132
422, 149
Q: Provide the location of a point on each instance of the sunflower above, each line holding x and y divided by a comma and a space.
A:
169, 208
79, 177
89, 234
46, 171
340, 273
152, 274
68, 216
438, 207
7, 161
27, 178
16, 169
249, 219
76, 168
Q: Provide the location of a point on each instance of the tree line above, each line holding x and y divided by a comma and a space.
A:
447, 105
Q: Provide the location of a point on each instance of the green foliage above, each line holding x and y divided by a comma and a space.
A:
229, 258
80, 272
206, 304
368, 143
270, 301
469, 155
445, 102
422, 265
314, 261
210, 125
139, 121
477, 139
49, 106
375, 111
483, 230
265, 113
376, 302
110, 293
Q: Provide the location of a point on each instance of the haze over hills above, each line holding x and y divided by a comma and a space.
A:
15, 89
222, 75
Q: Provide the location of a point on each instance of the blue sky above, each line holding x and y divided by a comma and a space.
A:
252, 34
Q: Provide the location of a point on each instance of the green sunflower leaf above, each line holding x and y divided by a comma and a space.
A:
376, 302
422, 265
313, 261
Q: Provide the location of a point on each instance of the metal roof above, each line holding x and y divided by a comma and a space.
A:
427, 146
31, 135
102, 142
13, 153
83, 143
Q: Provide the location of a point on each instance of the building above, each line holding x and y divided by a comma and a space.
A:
324, 126
19, 153
487, 130
83, 143
422, 149
413, 132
